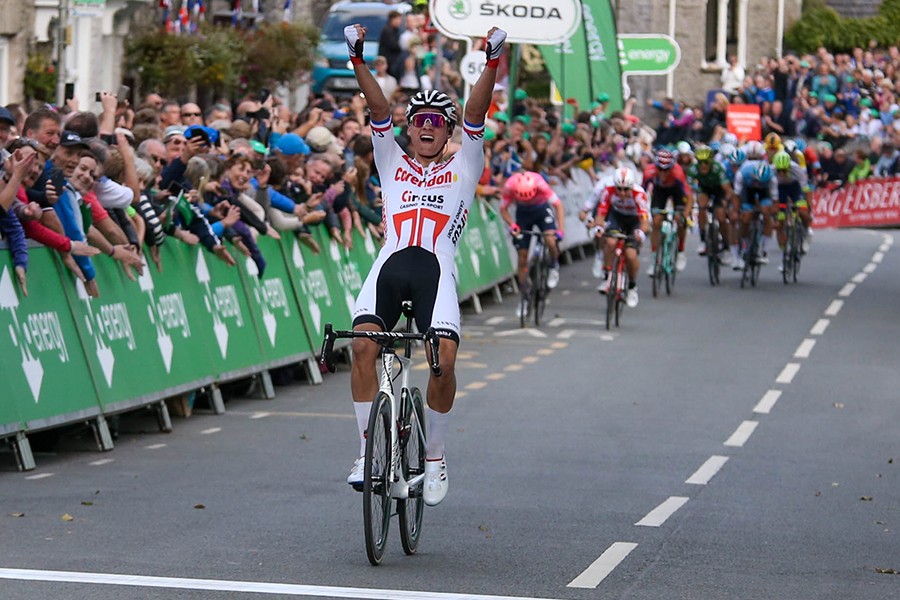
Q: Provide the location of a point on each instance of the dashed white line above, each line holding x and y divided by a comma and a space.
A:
847, 290
884, 247
708, 470
476, 385
155, 446
260, 415
607, 337
247, 587
767, 402
661, 513
495, 321
870, 268
559, 345
566, 334
788, 373
102, 461
512, 368
40, 476
211, 430
546, 351
834, 308
878, 257
859, 277
804, 348
556, 322
820, 327
741, 434
495, 376
603, 566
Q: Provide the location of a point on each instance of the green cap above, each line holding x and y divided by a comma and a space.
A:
501, 116
489, 134
523, 118
603, 97
595, 105
829, 98
520, 94
568, 128
397, 131
865, 102
804, 64
259, 147
813, 95
874, 112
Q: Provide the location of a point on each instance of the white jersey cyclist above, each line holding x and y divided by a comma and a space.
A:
425, 211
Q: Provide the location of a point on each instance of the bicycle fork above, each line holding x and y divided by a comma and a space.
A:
399, 486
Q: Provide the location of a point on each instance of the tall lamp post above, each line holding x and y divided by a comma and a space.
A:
61, 42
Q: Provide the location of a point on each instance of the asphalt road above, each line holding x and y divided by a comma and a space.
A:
722, 443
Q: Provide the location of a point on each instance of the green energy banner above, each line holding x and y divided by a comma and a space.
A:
587, 64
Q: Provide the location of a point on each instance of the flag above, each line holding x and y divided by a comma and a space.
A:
184, 17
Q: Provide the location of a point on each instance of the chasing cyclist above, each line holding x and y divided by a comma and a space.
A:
426, 201
710, 183
623, 209
536, 204
756, 188
793, 187
665, 181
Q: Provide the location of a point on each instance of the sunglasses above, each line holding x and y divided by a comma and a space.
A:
436, 119
160, 160
624, 189
191, 114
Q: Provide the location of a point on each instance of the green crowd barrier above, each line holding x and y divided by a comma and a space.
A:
67, 357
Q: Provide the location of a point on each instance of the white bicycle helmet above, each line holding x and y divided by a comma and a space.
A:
435, 100
623, 178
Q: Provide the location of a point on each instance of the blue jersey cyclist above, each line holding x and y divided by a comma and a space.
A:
426, 201
756, 188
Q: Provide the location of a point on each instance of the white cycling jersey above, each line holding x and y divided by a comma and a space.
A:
424, 209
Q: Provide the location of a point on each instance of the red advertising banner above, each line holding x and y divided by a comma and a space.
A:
744, 121
867, 203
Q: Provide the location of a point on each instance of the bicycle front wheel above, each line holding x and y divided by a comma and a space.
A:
799, 236
412, 461
376, 483
787, 256
712, 250
658, 267
612, 294
541, 289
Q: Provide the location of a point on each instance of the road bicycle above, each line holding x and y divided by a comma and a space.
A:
715, 245
666, 253
533, 298
395, 437
753, 251
618, 280
794, 233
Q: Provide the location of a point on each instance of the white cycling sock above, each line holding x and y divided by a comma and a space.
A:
362, 422
765, 242
436, 432
735, 251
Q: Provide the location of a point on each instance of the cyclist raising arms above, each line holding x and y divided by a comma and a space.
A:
623, 208
535, 204
426, 201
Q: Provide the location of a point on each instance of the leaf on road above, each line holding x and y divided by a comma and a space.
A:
17, 514
87, 503
887, 571
866, 498
818, 493
67, 517
200, 506
839, 405
483, 527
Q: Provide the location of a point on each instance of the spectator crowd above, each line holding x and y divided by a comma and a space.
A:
125, 180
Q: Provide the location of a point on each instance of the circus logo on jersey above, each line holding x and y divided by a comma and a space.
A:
459, 223
433, 200
439, 180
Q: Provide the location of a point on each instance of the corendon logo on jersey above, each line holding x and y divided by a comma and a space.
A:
415, 224
441, 179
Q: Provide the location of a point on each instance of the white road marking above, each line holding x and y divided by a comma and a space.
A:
787, 374
708, 470
767, 402
260, 415
530, 360
859, 277
546, 351
847, 290
461, 394
566, 334
102, 461
607, 337
559, 345
741, 434
476, 385
870, 268
878, 257
884, 247
495, 321
658, 515
211, 430
40, 476
528, 331
250, 587
155, 446
820, 327
603, 566
804, 348
557, 322
834, 308
495, 376
513, 368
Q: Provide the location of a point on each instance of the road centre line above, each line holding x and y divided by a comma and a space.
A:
878, 257
495, 376
495, 320
708, 470
741, 434
820, 327
767, 402
870, 268
513, 368
531, 359
260, 415
859, 277
154, 446
556, 322
252, 587
476, 385
847, 290
40, 476
101, 462
545, 351
804, 348
211, 430
834, 308
566, 334
788, 373
286, 413
559, 345
603, 566
661, 513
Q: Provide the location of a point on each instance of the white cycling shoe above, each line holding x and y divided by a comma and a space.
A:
681, 261
357, 473
553, 277
436, 485
631, 298
597, 268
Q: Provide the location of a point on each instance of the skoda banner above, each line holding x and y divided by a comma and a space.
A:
525, 21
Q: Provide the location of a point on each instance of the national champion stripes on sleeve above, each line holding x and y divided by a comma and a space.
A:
473, 130
382, 126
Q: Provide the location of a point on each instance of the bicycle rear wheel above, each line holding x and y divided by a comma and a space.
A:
799, 236
376, 486
412, 461
541, 290
787, 256
658, 267
757, 246
712, 249
619, 298
612, 294
670, 267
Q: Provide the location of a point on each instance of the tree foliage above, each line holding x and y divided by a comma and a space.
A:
820, 25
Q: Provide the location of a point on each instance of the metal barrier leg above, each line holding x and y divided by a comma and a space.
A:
313, 374
476, 304
268, 390
163, 418
215, 397
514, 284
498, 294
22, 450
101, 434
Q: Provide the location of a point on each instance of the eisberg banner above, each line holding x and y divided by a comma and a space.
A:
867, 203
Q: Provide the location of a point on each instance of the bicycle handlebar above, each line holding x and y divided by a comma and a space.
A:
386, 339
